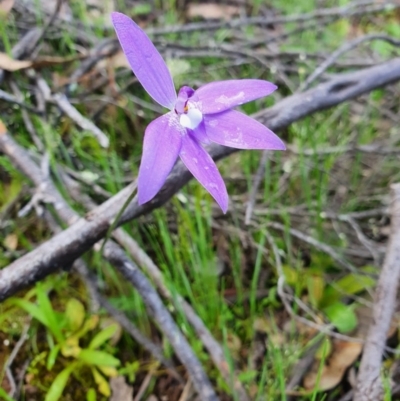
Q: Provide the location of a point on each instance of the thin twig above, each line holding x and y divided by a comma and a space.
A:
63, 103
145, 383
27, 120
369, 384
47, 25
24, 46
327, 150
350, 10
10, 360
344, 49
286, 298
8, 97
368, 244
315, 243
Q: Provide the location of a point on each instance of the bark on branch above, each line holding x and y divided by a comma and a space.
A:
64, 248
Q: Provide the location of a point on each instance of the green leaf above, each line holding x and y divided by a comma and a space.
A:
247, 376
91, 395
33, 310
130, 369
89, 324
45, 306
315, 286
291, 275
51, 359
108, 371
102, 383
92, 357
5, 396
347, 285
75, 314
342, 316
59, 383
141, 9
354, 283
103, 336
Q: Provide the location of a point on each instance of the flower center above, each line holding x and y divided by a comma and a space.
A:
189, 116
191, 119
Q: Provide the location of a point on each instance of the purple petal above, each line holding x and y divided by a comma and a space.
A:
202, 166
146, 62
235, 129
161, 146
200, 134
223, 95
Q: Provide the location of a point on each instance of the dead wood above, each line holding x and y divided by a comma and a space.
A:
369, 383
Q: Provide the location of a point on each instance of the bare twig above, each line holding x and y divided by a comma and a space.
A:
24, 46
286, 298
315, 243
369, 384
344, 49
64, 104
145, 383
350, 10
27, 120
368, 244
47, 25
8, 97
18, 346
372, 148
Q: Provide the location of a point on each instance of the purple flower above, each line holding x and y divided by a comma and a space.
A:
196, 117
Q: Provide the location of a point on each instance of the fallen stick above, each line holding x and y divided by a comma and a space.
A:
64, 248
369, 384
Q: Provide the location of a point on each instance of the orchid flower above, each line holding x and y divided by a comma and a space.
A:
195, 117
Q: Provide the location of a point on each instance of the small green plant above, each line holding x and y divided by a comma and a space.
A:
66, 333
328, 297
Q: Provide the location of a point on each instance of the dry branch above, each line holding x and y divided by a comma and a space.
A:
369, 383
65, 247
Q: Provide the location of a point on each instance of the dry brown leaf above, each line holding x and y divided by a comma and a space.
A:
3, 129
212, 11
48, 61
11, 242
121, 391
234, 344
344, 354
5, 7
115, 61
9, 64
